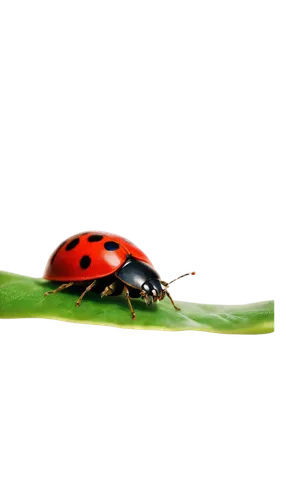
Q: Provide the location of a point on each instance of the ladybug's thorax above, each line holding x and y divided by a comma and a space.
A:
140, 275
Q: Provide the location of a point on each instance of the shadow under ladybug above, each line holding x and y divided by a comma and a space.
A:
135, 279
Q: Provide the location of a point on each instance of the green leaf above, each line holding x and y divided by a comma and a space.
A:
23, 297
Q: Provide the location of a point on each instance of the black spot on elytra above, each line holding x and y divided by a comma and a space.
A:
111, 245
85, 262
72, 244
94, 237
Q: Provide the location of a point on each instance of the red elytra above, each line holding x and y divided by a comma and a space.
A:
91, 255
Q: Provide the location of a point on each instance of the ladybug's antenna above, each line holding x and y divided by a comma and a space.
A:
189, 274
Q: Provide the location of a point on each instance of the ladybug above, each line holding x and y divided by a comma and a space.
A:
107, 264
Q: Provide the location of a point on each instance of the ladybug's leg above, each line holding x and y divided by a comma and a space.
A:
61, 287
176, 307
129, 302
88, 288
108, 290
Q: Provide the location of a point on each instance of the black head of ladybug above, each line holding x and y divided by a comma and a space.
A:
152, 291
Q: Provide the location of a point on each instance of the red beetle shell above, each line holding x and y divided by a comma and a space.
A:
91, 255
